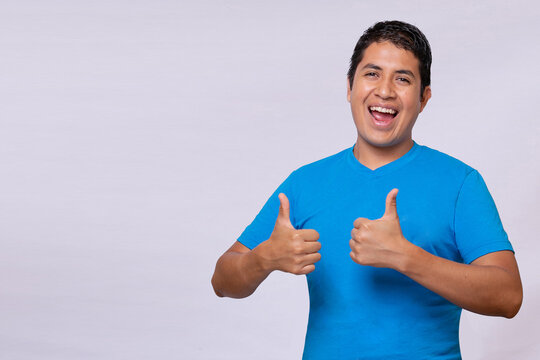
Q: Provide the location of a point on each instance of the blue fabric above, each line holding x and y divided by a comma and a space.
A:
363, 312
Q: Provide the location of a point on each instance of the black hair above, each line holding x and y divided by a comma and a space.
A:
402, 35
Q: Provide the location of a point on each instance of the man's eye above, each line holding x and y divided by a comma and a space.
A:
404, 80
371, 74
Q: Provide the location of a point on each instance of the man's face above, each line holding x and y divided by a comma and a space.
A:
385, 97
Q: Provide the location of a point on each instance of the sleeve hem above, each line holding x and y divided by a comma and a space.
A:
472, 255
246, 243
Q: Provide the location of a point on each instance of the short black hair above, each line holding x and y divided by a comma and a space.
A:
402, 35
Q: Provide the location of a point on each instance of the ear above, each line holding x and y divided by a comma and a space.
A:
425, 97
348, 90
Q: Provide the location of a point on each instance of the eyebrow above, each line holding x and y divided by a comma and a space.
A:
406, 72
376, 67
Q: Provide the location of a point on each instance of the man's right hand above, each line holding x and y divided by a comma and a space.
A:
288, 249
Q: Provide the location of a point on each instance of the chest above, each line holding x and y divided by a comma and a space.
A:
426, 216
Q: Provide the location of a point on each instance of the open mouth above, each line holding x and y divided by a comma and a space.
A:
382, 115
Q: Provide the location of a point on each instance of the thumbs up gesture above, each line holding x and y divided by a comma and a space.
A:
380, 242
288, 249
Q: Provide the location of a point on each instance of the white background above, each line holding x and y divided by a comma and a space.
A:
139, 138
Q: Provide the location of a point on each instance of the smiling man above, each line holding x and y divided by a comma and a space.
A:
388, 276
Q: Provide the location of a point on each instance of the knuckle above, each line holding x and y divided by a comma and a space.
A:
357, 258
297, 248
361, 235
358, 222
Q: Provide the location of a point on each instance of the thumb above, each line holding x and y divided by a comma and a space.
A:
391, 209
284, 215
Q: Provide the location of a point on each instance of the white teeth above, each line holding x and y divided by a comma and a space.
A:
383, 110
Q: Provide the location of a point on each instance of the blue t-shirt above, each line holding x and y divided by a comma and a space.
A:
363, 312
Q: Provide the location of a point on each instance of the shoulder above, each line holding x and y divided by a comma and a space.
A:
433, 160
323, 166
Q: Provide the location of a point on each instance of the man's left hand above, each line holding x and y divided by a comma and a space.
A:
380, 242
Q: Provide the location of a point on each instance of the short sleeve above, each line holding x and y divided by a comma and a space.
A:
477, 225
262, 226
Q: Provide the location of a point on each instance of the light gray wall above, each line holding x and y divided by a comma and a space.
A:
139, 138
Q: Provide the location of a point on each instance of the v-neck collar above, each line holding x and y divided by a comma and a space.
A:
385, 169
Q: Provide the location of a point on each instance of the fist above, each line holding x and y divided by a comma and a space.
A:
379, 242
288, 249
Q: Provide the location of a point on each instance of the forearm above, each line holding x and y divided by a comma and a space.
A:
483, 289
238, 275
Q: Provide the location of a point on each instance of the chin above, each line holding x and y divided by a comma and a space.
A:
386, 142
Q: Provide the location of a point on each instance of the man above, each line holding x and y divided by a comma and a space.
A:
387, 275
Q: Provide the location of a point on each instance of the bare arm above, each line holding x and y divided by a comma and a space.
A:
239, 271
490, 285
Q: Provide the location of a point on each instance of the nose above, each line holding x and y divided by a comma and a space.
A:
385, 89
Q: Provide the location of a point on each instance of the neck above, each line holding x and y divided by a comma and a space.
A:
374, 157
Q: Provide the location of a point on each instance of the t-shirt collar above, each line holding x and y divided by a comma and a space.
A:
394, 165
